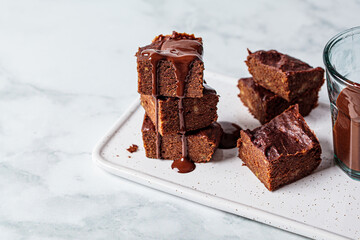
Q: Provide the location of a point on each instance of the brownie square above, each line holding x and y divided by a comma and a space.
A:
281, 151
166, 74
265, 105
201, 143
283, 75
198, 112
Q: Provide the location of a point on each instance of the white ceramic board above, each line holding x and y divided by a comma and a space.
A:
324, 205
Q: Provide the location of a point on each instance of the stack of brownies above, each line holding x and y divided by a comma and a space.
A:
180, 109
284, 149
279, 81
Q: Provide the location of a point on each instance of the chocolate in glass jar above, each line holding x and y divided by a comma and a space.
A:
342, 61
347, 127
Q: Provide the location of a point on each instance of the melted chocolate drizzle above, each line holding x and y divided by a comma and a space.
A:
182, 53
231, 133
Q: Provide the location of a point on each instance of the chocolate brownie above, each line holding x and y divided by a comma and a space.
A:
281, 151
201, 144
285, 76
265, 105
198, 112
174, 58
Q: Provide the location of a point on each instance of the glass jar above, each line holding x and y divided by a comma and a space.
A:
342, 62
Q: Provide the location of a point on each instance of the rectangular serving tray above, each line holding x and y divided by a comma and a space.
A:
324, 205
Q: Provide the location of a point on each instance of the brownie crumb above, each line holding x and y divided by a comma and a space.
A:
243, 164
132, 148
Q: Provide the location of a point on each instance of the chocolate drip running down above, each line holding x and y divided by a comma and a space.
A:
181, 53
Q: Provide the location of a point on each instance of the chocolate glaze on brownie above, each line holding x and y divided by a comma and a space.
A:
283, 136
282, 74
181, 46
280, 61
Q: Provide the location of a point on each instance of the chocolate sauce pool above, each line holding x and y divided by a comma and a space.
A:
231, 133
183, 165
182, 53
347, 128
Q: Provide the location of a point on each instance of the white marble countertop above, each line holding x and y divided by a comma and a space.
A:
68, 71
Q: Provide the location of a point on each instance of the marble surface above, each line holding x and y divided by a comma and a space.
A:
68, 71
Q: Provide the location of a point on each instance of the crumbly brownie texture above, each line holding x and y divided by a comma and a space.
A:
281, 151
167, 81
285, 76
198, 112
265, 105
201, 143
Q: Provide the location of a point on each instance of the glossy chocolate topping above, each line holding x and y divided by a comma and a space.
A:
183, 165
285, 134
181, 50
347, 127
231, 133
280, 61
